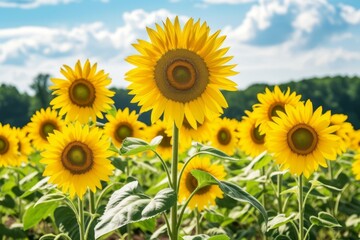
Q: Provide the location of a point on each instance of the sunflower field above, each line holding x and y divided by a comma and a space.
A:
287, 170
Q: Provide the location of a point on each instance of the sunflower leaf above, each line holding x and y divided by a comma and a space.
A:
203, 149
54, 197
34, 214
129, 204
233, 191
131, 146
325, 219
280, 220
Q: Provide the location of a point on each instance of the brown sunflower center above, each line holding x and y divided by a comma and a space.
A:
123, 131
77, 157
274, 108
4, 145
181, 75
256, 136
166, 141
224, 136
191, 184
302, 139
82, 93
47, 128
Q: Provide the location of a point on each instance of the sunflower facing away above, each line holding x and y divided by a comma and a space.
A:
270, 103
345, 128
301, 139
124, 124
251, 141
24, 146
356, 166
180, 72
43, 122
224, 136
76, 159
205, 196
83, 94
8, 146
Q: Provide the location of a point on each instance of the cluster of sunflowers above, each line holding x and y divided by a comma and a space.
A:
179, 76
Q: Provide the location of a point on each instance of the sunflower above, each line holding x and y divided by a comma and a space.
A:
76, 159
83, 94
345, 128
251, 141
224, 135
124, 124
8, 146
24, 146
205, 196
301, 139
180, 72
43, 122
270, 104
355, 140
202, 133
356, 166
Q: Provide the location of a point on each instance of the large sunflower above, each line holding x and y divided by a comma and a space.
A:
301, 139
270, 103
205, 196
124, 124
83, 94
180, 72
24, 146
356, 166
224, 135
76, 159
43, 122
251, 141
8, 146
345, 128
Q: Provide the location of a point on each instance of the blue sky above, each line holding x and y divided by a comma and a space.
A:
272, 41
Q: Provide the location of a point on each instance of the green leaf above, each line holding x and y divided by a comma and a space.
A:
235, 192
282, 237
264, 161
34, 214
131, 146
119, 163
279, 220
7, 201
206, 237
325, 219
54, 197
203, 149
129, 204
41, 185
203, 178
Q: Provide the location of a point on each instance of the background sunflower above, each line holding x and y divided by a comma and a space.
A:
8, 146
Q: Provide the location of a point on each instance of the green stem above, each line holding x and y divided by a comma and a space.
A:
264, 187
331, 200
167, 224
165, 167
301, 210
279, 185
81, 219
18, 183
308, 231
128, 226
185, 205
92, 202
128, 229
198, 226
174, 172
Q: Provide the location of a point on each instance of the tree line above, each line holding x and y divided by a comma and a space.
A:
340, 94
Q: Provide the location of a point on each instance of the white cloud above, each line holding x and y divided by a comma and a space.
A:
227, 1
350, 14
307, 20
31, 3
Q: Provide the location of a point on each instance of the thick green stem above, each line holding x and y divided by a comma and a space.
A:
174, 172
92, 202
279, 185
81, 220
198, 226
301, 210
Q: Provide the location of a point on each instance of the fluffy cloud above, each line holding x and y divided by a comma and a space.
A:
31, 3
350, 14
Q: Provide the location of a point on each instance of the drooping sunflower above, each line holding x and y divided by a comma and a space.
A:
224, 135
24, 146
124, 124
43, 122
83, 95
301, 139
77, 159
201, 134
180, 72
356, 166
205, 196
270, 103
345, 128
251, 141
8, 146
